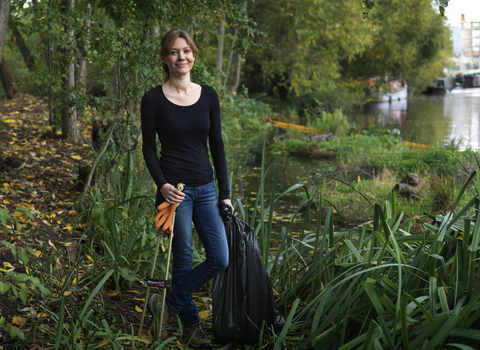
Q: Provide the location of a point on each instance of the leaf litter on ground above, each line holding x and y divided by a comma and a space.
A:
39, 177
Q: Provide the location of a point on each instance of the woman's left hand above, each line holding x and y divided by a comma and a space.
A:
228, 202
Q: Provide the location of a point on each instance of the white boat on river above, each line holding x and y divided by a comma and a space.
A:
398, 91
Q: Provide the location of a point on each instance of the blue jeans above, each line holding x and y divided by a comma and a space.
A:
200, 205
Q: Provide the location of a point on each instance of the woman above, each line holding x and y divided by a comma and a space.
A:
185, 115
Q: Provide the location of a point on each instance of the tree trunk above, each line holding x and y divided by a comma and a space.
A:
190, 31
237, 74
7, 80
221, 37
156, 31
4, 12
48, 59
230, 56
22, 46
82, 79
239, 64
69, 113
49, 62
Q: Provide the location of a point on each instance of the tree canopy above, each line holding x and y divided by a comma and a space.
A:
295, 49
326, 50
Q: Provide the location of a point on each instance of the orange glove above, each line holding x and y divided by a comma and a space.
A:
164, 219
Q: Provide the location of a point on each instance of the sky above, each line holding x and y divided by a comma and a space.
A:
455, 9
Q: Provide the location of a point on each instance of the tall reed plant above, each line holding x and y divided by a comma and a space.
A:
377, 286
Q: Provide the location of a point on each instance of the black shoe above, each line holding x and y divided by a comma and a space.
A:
169, 316
194, 337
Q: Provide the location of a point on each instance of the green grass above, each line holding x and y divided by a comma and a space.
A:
388, 287
381, 285
372, 165
380, 151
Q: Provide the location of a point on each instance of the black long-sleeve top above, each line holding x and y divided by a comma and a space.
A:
183, 132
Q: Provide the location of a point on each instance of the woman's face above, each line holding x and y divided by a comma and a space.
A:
180, 58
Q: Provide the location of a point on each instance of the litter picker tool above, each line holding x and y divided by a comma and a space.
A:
164, 221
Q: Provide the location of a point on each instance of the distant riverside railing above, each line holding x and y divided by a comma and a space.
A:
307, 129
295, 127
418, 145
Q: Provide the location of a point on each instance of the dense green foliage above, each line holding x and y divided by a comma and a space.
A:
326, 50
302, 50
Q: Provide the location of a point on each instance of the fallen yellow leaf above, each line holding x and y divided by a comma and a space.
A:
205, 314
6, 202
73, 212
17, 320
74, 282
137, 309
76, 157
7, 265
111, 292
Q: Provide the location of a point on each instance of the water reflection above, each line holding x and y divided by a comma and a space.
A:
464, 107
452, 118
388, 114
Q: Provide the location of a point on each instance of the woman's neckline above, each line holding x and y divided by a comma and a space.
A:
193, 104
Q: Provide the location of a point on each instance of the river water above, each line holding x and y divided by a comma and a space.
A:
451, 118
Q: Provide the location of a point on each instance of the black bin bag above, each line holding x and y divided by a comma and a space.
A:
242, 294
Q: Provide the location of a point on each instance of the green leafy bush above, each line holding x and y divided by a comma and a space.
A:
243, 113
335, 122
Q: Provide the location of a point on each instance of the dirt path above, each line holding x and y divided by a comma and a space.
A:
40, 182
39, 175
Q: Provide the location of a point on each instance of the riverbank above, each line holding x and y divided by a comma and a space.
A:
371, 165
348, 168
77, 278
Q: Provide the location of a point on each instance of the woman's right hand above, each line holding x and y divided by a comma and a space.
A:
171, 194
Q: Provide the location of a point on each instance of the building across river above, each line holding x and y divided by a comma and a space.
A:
466, 45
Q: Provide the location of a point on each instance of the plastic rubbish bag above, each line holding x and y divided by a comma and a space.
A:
242, 294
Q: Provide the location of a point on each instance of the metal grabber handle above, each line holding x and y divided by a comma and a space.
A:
180, 187
167, 268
